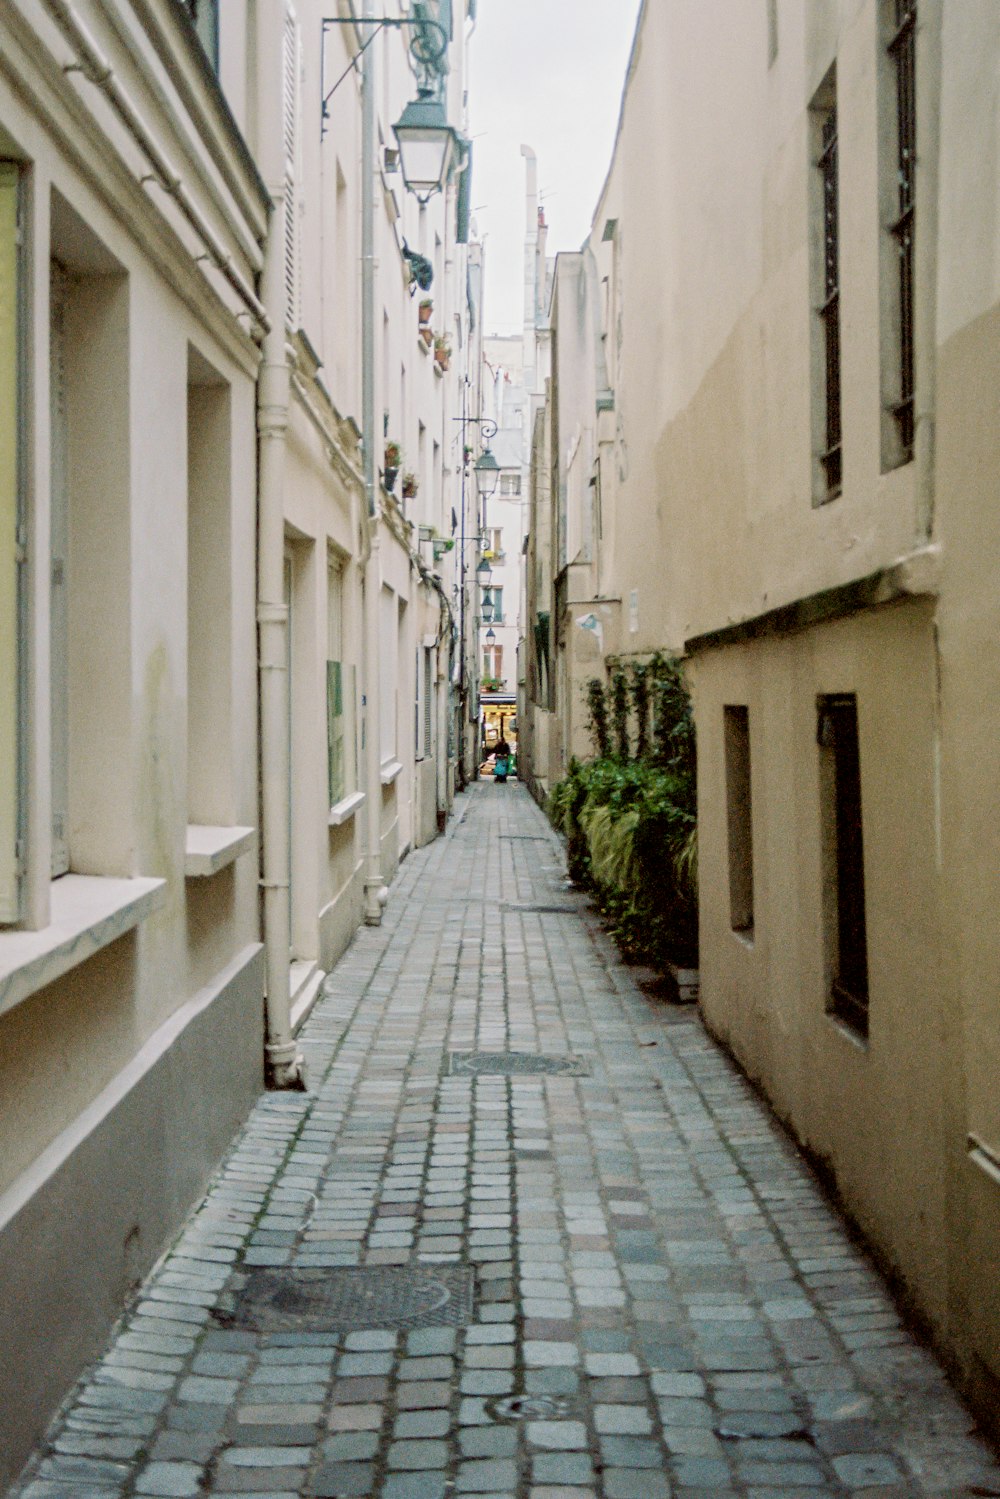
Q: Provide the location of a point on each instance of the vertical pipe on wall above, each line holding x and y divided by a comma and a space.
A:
376, 893
284, 1065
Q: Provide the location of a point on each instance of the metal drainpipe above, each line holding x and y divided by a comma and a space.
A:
376, 893
283, 1064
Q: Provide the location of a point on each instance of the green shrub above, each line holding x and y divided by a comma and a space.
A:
631, 825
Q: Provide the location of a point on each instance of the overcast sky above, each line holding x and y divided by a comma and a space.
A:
548, 74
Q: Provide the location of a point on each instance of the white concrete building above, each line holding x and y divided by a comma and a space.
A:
189, 548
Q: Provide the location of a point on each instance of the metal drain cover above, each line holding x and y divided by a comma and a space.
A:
533, 1407
516, 1064
528, 907
350, 1298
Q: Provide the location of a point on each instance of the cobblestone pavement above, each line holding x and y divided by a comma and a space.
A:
663, 1302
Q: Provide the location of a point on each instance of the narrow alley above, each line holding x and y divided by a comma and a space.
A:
528, 1232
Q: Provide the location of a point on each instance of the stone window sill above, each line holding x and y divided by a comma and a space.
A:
87, 912
209, 849
346, 808
390, 770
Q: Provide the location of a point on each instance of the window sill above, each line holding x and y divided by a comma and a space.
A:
341, 811
390, 770
209, 849
88, 912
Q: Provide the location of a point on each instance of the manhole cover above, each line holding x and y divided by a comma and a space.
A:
527, 906
523, 838
349, 1298
516, 1064
532, 1407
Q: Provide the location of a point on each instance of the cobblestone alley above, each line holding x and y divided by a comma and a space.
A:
529, 1233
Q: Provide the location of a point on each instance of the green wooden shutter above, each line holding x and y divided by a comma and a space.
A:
9, 519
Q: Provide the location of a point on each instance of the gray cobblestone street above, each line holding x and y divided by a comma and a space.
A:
664, 1303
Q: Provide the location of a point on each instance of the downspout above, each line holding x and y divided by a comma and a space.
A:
283, 1065
376, 893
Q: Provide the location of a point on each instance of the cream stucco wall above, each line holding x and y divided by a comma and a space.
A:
713, 541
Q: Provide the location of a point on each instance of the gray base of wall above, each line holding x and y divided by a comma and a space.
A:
81, 1229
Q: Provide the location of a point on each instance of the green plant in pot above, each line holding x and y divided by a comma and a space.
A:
390, 464
410, 486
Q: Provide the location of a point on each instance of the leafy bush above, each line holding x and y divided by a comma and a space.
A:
631, 825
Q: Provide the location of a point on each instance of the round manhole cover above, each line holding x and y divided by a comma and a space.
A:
351, 1297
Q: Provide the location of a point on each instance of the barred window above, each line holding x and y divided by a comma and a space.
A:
902, 52
830, 306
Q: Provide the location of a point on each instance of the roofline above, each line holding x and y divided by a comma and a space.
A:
629, 74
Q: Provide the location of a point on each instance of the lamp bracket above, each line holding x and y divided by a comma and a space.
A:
427, 51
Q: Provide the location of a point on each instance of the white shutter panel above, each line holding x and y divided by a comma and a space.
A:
291, 65
9, 906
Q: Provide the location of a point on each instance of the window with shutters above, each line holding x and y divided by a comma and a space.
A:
291, 129
10, 549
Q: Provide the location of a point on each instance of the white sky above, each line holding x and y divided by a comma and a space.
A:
548, 74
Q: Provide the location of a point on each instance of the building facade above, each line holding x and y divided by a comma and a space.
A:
795, 329
228, 637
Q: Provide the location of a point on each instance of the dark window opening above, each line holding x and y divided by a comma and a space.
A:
847, 945
902, 51
830, 306
739, 818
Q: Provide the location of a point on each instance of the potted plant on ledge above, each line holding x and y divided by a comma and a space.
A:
410, 486
391, 461
424, 310
442, 351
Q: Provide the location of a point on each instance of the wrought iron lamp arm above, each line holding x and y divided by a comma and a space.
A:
428, 59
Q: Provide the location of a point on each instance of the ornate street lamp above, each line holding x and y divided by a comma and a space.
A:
487, 472
491, 636
484, 573
428, 145
487, 609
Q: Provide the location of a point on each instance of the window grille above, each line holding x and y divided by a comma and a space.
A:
902, 50
837, 734
830, 309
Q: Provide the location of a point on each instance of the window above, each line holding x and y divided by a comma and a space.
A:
388, 671
205, 17
493, 600
209, 587
510, 486
827, 280
843, 859
899, 196
90, 636
493, 550
493, 665
10, 551
341, 698
739, 818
